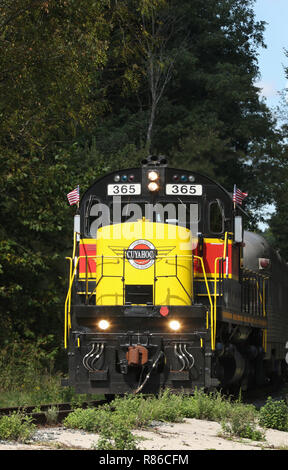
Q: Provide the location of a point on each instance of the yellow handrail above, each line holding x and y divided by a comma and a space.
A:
67, 307
67, 317
72, 272
223, 257
210, 299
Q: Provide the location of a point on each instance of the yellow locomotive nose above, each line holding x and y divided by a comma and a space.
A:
142, 263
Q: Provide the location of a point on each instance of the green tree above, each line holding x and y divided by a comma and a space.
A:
51, 54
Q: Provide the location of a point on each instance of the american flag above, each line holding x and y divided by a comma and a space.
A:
238, 196
74, 196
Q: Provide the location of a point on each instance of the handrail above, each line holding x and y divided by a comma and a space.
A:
210, 300
67, 307
222, 258
255, 278
67, 316
72, 272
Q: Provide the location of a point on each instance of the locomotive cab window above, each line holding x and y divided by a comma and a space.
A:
216, 217
96, 216
184, 215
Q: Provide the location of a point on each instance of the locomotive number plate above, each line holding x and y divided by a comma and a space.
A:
123, 189
184, 189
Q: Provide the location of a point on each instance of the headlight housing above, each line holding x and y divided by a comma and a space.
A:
174, 325
103, 325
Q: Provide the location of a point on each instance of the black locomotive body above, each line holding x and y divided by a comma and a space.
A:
166, 290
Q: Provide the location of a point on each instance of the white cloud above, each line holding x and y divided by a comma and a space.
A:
267, 89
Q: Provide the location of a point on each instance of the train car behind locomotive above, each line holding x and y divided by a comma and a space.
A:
166, 290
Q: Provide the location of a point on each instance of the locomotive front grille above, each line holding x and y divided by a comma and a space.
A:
139, 294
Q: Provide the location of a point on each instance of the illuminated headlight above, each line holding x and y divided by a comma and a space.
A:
103, 324
153, 186
153, 175
174, 325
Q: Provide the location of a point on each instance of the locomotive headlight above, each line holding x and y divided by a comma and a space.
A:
153, 186
153, 175
103, 324
174, 325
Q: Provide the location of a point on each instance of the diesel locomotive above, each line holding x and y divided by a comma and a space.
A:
166, 289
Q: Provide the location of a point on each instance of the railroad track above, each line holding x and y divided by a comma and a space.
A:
41, 415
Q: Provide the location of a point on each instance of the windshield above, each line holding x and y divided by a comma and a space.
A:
174, 212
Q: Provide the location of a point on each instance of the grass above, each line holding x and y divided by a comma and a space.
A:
45, 390
28, 377
16, 427
114, 422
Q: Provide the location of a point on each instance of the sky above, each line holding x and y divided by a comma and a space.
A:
272, 60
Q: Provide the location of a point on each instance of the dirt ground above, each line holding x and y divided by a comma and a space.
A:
192, 434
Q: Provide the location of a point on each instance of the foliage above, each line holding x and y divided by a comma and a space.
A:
16, 427
116, 435
243, 423
22, 363
27, 374
90, 419
114, 421
211, 406
274, 414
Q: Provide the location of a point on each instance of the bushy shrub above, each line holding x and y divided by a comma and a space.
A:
90, 419
116, 435
242, 422
274, 414
200, 405
16, 427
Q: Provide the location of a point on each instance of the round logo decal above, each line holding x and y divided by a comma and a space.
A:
141, 254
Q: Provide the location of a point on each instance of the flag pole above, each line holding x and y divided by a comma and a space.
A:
78, 189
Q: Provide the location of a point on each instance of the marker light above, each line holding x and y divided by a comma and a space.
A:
174, 325
153, 175
103, 324
117, 178
153, 186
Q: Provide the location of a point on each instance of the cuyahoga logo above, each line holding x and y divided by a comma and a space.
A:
141, 254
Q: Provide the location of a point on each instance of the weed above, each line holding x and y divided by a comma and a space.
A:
16, 427
116, 435
200, 405
52, 415
242, 422
90, 419
274, 414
